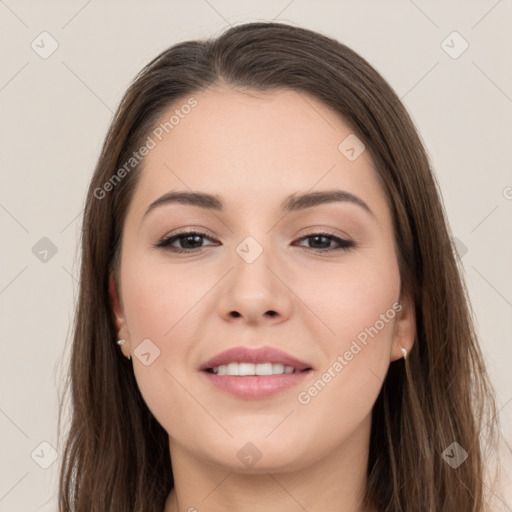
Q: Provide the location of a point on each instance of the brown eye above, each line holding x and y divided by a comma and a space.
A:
192, 241
318, 242
189, 241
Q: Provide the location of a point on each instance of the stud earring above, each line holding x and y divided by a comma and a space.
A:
120, 343
404, 352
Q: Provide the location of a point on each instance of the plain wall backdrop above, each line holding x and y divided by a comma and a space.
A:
64, 68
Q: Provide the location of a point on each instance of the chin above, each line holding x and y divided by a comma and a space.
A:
257, 455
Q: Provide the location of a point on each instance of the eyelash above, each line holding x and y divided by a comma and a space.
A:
165, 242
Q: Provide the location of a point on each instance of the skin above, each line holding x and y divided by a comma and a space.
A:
254, 149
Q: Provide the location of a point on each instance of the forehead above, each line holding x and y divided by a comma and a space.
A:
252, 146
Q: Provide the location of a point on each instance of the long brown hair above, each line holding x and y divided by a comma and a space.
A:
116, 456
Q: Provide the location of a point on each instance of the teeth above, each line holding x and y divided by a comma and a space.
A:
232, 369
244, 369
253, 369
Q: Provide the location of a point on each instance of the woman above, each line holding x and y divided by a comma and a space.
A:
270, 300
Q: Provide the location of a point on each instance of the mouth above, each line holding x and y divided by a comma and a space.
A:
250, 373
248, 369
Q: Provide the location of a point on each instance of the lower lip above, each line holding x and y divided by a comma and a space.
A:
255, 386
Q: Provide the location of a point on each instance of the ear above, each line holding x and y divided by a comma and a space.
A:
405, 326
118, 315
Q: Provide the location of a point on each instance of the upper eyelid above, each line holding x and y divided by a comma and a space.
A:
206, 235
189, 232
311, 231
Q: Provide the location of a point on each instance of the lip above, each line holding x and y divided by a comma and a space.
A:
254, 355
254, 386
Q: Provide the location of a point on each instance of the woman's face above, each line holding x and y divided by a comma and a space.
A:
256, 277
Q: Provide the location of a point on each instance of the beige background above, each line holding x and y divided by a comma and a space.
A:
55, 112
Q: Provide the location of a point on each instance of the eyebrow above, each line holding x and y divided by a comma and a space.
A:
292, 203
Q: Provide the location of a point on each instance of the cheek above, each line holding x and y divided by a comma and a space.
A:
352, 297
159, 306
158, 313
157, 297
360, 305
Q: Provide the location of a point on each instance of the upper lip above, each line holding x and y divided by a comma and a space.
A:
254, 355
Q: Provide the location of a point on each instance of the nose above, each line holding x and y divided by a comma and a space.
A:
256, 293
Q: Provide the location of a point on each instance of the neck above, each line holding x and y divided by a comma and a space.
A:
335, 482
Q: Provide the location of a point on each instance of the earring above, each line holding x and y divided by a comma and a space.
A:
404, 352
120, 343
